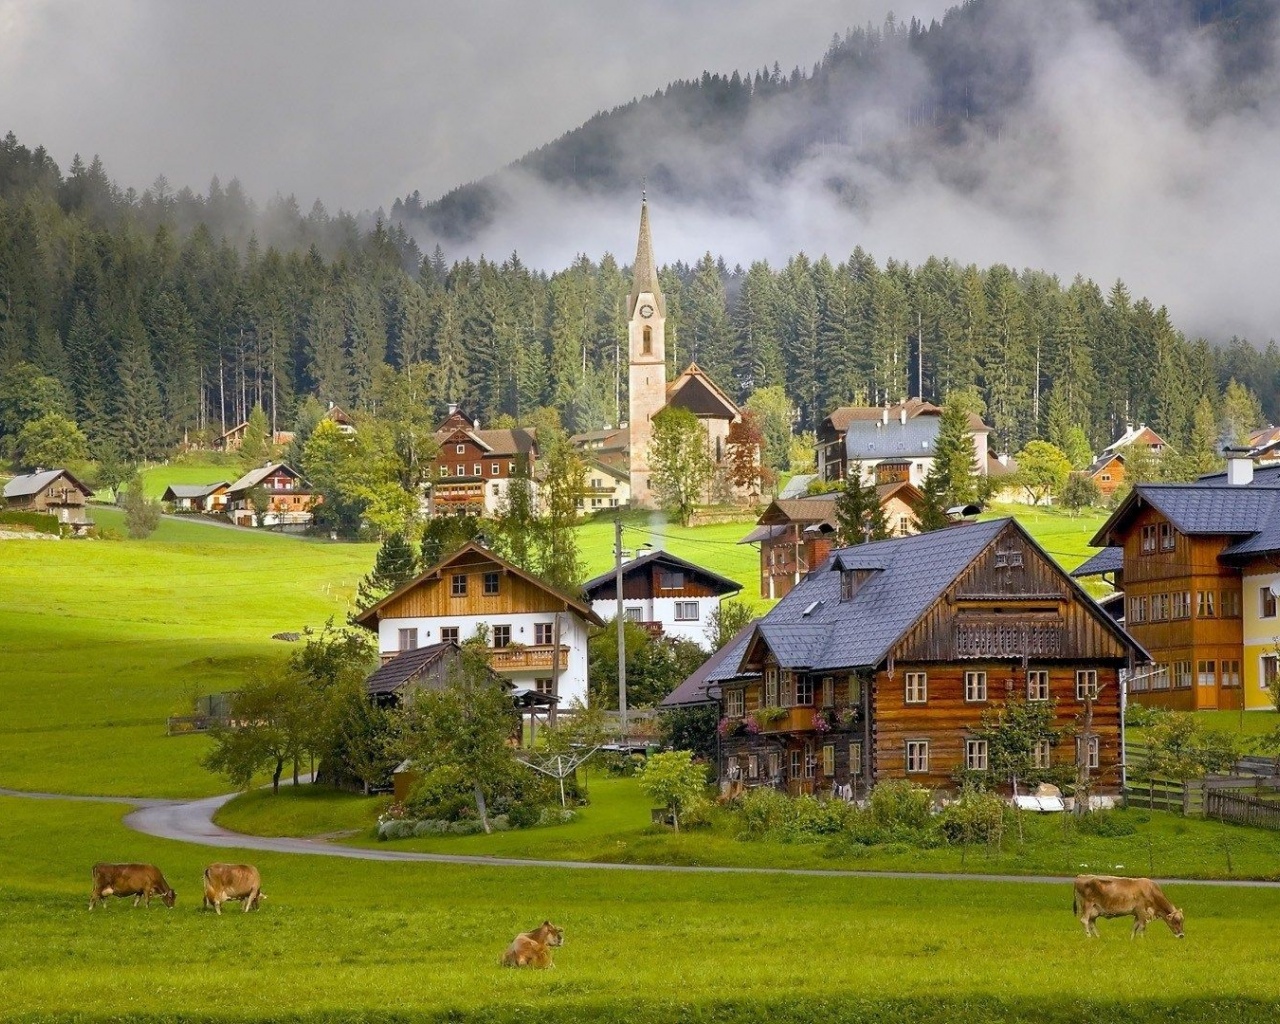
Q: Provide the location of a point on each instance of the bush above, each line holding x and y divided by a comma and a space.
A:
396, 829
976, 817
901, 804
524, 815
767, 813
40, 522
1109, 824
442, 794
556, 816
1139, 716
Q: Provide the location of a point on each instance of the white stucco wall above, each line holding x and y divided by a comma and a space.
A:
663, 610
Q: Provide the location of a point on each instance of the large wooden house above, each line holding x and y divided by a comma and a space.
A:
289, 497
881, 662
1195, 564
664, 593
473, 469
55, 492
537, 636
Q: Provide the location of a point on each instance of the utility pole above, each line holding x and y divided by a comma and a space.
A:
619, 620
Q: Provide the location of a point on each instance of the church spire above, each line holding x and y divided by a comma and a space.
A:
645, 272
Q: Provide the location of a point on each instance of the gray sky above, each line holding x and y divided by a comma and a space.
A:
357, 103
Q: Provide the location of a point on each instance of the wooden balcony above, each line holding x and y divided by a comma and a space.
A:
533, 658
797, 720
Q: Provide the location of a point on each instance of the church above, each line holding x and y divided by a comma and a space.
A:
650, 391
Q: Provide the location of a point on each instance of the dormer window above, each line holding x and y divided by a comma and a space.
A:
852, 580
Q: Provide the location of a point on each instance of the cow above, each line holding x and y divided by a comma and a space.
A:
533, 949
224, 882
141, 881
1108, 896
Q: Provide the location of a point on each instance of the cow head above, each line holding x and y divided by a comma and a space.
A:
1174, 921
170, 898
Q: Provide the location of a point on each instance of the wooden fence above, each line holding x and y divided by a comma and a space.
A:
1167, 795
1242, 810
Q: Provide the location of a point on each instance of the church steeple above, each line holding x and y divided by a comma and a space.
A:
644, 275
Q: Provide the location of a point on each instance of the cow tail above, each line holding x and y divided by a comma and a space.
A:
1075, 903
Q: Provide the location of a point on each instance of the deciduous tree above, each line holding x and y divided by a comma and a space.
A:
680, 461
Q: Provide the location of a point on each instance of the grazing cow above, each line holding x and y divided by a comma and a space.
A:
224, 882
1108, 896
533, 949
141, 881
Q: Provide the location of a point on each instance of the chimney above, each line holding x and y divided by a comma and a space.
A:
453, 408
902, 415
1239, 466
884, 415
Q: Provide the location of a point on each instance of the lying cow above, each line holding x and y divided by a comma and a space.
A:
1108, 896
141, 881
224, 882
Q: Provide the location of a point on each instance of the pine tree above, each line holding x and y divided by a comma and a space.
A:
517, 523
139, 409
394, 566
256, 445
955, 456
931, 513
859, 515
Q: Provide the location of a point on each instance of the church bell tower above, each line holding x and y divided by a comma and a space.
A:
647, 379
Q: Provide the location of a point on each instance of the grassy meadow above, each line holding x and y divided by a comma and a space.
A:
344, 940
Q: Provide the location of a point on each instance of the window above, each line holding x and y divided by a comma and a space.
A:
1040, 754
511, 468
796, 764
775, 764
501, 636
461, 449
1167, 537
543, 633
1204, 604
1149, 534
735, 702
809, 762
671, 580
1089, 749
917, 687
1038, 684
975, 755
829, 760
458, 586
788, 690
804, 691
1230, 605
493, 469
1140, 609
1270, 667
633, 613
444, 471
1266, 603
1086, 683
846, 585
477, 470
460, 469
1206, 673
855, 690
686, 611
1105, 478
1230, 673
917, 757
646, 342
1159, 607
828, 691
753, 766
1181, 604
496, 490
975, 686
542, 685
771, 687
408, 639
490, 584
448, 634
1182, 675
855, 758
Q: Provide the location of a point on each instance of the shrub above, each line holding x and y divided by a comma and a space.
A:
762, 812
977, 817
1109, 824
429, 827
902, 804
524, 815
556, 816
441, 793
396, 829
40, 522
1139, 716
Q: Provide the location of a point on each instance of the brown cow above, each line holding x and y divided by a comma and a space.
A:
1108, 896
141, 881
224, 882
533, 949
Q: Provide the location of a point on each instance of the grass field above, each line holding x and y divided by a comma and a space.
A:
344, 940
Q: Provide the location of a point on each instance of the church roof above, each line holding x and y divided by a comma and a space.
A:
696, 391
644, 274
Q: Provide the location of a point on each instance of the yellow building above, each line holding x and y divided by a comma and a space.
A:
1260, 585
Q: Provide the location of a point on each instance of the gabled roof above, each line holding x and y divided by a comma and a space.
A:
174, 492
1141, 433
407, 666
255, 476
1198, 509
698, 688
1107, 560
719, 585
617, 472
811, 628
846, 415
1103, 461
1263, 476
370, 616
239, 428
610, 439
874, 440
696, 391
798, 485
818, 508
517, 441
33, 483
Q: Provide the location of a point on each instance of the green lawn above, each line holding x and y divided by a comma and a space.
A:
343, 940
1064, 535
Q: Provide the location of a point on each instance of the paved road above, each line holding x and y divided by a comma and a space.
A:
191, 821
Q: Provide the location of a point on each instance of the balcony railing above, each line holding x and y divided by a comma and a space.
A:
527, 659
796, 720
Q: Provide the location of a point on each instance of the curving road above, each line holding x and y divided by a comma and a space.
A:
191, 821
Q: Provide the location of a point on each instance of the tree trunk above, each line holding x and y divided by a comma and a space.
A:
480, 806
295, 771
275, 777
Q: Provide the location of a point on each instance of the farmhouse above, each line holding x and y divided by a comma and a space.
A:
664, 593
1197, 566
196, 497
55, 492
537, 635
473, 470
880, 663
289, 497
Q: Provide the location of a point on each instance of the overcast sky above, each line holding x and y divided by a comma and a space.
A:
357, 103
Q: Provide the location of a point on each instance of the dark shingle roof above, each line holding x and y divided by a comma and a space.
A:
407, 666
1107, 560
719, 584
1214, 509
698, 689
915, 439
34, 483
176, 491
811, 628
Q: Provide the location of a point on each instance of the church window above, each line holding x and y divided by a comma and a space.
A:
646, 347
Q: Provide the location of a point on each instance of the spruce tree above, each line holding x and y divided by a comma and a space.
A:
859, 516
931, 513
394, 566
955, 457
256, 445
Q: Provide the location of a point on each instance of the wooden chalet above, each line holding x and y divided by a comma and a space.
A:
881, 662
1194, 564
232, 439
797, 534
1108, 473
663, 592
290, 498
473, 469
196, 497
1140, 435
55, 492
537, 635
